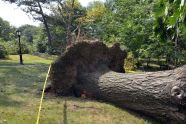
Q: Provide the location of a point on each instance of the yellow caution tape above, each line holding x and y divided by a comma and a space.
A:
43, 92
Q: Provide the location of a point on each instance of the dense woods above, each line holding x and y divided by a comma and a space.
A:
149, 30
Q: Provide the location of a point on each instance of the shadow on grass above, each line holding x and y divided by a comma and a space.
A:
22, 79
8, 102
79, 104
5, 63
138, 114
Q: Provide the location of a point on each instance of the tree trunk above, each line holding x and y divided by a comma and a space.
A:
68, 33
46, 25
69, 24
79, 32
94, 70
158, 94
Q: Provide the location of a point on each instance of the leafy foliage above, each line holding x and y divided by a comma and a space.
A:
3, 52
146, 28
170, 24
68, 16
130, 62
6, 31
29, 32
41, 47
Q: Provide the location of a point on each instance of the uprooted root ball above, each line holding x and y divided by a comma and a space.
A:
81, 58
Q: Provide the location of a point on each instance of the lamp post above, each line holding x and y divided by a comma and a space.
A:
18, 33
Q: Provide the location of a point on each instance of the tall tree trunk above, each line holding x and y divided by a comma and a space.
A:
79, 32
46, 26
68, 32
176, 43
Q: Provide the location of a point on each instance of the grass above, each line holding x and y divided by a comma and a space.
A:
20, 96
27, 60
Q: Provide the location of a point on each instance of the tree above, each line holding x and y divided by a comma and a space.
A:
170, 16
68, 14
93, 21
29, 32
3, 52
161, 95
35, 8
126, 21
6, 31
131, 23
135, 24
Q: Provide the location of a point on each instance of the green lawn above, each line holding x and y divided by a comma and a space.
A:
27, 60
20, 95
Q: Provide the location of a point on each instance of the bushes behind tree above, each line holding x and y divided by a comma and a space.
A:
12, 47
3, 52
41, 47
130, 62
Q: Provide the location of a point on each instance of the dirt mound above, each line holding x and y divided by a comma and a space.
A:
84, 57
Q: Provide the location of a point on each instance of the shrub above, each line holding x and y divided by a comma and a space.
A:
3, 52
41, 47
12, 47
25, 48
130, 62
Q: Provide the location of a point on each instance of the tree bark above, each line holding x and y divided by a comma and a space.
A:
79, 32
158, 94
68, 32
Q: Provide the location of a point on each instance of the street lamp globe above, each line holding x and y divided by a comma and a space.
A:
18, 33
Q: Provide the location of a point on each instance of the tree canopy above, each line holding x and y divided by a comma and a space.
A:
146, 28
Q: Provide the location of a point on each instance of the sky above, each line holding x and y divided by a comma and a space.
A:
16, 17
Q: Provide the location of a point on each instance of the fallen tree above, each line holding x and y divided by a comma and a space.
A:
97, 71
